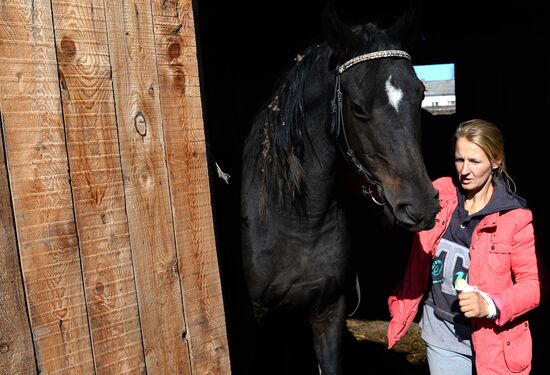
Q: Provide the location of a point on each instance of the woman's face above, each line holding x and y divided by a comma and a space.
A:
472, 166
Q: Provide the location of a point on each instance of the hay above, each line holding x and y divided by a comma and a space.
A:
411, 345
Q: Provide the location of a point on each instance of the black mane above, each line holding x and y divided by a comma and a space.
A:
274, 149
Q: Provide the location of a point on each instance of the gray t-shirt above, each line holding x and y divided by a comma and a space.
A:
440, 327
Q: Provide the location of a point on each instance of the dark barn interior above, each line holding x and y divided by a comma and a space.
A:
501, 73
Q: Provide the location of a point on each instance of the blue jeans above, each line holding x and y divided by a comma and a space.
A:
446, 362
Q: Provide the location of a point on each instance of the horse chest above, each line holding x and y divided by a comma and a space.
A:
299, 261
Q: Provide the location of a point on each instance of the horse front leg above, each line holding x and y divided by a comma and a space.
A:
328, 328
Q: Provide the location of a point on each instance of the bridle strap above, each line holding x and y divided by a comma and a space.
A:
372, 56
338, 118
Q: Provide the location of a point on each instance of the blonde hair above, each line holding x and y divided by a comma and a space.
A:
488, 137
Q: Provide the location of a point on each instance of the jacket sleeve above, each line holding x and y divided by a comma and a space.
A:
403, 303
524, 294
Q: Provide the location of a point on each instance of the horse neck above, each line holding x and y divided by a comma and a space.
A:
290, 151
320, 147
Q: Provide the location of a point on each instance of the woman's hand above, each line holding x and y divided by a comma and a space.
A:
473, 305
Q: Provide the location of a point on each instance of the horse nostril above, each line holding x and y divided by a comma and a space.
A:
405, 213
416, 217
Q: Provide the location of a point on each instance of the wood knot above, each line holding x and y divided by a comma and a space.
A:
61, 312
68, 47
179, 79
145, 178
4, 347
99, 287
174, 50
140, 124
176, 29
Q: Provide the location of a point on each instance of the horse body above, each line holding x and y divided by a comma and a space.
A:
295, 240
281, 247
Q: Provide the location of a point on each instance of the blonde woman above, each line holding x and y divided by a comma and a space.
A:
476, 271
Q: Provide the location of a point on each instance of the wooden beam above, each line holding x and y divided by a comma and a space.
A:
97, 186
16, 350
189, 185
142, 149
38, 173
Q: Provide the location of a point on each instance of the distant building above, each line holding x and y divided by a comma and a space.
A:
440, 97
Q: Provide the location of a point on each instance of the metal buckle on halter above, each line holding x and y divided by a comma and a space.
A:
367, 190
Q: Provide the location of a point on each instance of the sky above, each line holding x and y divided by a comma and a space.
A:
435, 72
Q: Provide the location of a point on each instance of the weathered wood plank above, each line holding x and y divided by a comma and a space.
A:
38, 172
132, 50
189, 185
98, 194
16, 350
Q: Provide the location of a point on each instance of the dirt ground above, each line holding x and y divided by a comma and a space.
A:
287, 349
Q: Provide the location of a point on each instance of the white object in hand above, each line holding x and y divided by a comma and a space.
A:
462, 285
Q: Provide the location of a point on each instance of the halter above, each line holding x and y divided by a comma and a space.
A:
338, 118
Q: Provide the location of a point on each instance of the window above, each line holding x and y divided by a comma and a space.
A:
439, 80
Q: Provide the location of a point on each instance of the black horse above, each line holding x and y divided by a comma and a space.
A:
358, 93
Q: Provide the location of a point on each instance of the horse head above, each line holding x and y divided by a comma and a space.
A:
377, 109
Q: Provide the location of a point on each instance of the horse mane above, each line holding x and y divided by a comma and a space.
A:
275, 147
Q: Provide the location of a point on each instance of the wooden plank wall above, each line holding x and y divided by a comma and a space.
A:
109, 263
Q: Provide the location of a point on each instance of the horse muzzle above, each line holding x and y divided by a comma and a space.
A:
417, 215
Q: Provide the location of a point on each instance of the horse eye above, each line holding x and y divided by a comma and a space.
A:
358, 111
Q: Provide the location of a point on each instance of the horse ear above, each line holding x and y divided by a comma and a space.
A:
407, 27
337, 34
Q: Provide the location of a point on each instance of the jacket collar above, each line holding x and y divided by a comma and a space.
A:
501, 200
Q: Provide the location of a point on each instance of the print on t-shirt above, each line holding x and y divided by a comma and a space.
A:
451, 263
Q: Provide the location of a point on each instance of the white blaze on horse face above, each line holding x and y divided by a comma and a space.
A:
394, 94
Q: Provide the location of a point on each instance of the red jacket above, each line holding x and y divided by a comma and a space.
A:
503, 263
